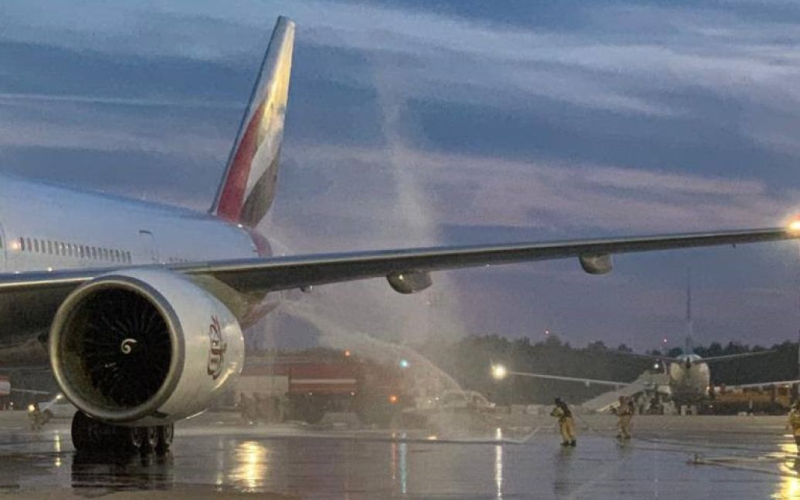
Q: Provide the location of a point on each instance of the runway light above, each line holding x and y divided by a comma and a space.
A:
404, 363
499, 372
393, 399
31, 407
347, 353
794, 226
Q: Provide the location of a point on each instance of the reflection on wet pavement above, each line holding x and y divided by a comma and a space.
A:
252, 468
750, 458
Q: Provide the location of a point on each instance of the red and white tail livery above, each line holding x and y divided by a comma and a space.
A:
251, 175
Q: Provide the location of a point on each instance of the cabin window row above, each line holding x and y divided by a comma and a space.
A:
35, 245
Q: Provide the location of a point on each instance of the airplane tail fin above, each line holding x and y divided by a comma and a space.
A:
248, 186
689, 342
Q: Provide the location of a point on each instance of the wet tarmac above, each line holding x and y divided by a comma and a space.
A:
669, 457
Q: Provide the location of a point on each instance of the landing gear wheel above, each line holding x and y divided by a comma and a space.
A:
150, 442
83, 436
165, 435
132, 438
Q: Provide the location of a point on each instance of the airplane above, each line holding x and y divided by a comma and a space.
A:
139, 307
689, 374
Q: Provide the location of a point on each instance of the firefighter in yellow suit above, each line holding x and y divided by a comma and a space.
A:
565, 422
624, 413
794, 423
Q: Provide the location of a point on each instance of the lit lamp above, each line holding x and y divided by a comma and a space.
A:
499, 372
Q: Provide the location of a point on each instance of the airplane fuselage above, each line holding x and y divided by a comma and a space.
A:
51, 228
689, 378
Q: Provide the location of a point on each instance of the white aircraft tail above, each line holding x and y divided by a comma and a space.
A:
248, 186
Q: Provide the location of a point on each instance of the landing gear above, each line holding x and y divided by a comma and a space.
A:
89, 435
165, 434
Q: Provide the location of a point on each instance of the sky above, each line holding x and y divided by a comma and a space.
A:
422, 123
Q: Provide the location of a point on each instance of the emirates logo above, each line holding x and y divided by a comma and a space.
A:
216, 352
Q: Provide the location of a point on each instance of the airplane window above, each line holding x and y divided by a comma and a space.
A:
22, 244
116, 255
69, 249
128, 257
50, 246
94, 252
82, 251
28, 244
36, 245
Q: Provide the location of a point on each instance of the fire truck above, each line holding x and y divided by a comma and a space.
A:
305, 387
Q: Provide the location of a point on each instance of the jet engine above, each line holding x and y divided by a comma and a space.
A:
144, 347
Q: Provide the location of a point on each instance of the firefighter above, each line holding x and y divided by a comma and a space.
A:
565, 422
794, 423
36, 417
624, 413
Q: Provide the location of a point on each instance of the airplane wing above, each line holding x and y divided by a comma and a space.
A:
587, 381
732, 357
405, 269
762, 384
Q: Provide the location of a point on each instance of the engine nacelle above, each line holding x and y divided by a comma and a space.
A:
144, 347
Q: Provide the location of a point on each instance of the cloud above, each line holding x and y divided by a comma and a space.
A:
472, 190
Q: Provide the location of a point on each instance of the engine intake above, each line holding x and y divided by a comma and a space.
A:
144, 347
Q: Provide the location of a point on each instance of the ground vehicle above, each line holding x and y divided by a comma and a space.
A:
279, 388
464, 400
772, 399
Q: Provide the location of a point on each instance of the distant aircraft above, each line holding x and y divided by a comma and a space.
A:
689, 374
140, 307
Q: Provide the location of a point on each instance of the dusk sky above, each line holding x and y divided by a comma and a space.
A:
421, 123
